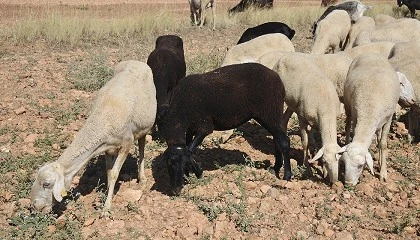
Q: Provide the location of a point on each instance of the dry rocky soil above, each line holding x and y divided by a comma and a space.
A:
42, 108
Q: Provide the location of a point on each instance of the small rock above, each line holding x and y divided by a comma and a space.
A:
131, 195
403, 195
381, 212
392, 187
51, 229
60, 222
366, 189
187, 232
344, 235
346, 195
338, 187
289, 185
76, 180
240, 140
20, 110
225, 136
116, 224
272, 192
281, 183
31, 138
301, 235
250, 185
149, 139
328, 233
24, 202
264, 189
56, 146
410, 230
89, 222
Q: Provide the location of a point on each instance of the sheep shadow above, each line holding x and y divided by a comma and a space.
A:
260, 139
94, 178
209, 159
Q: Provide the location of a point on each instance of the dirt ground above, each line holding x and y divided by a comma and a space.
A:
237, 198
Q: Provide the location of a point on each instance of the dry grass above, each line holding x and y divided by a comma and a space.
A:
84, 23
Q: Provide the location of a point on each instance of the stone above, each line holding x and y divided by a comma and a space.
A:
89, 221
328, 233
51, 229
250, 185
31, 138
56, 147
186, 232
381, 212
410, 230
149, 139
131, 195
392, 187
366, 189
337, 187
20, 110
264, 189
272, 192
24, 202
344, 235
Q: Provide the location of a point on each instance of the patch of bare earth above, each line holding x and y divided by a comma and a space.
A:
40, 112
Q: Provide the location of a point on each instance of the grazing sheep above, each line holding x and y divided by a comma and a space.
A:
331, 32
250, 51
205, 102
362, 23
245, 4
167, 62
368, 110
198, 7
124, 110
355, 10
401, 30
267, 28
405, 58
382, 19
411, 4
337, 72
313, 97
382, 48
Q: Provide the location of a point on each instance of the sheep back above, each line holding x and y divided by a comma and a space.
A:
266, 28
224, 99
251, 50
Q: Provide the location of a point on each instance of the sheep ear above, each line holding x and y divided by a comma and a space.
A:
58, 190
369, 162
317, 156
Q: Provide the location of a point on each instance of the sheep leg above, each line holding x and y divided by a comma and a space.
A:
113, 176
304, 136
348, 124
202, 15
282, 153
213, 13
198, 139
109, 162
141, 176
383, 150
286, 116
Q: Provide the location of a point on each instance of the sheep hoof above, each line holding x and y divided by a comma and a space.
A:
274, 172
288, 176
106, 214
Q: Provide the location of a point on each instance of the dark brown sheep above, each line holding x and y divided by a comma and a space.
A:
167, 62
220, 100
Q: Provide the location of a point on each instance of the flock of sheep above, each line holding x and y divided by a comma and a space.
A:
258, 75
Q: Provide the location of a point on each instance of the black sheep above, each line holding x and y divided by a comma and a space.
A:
167, 62
267, 28
411, 4
220, 100
245, 4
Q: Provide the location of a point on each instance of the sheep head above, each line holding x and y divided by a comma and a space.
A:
177, 159
354, 158
329, 161
400, 3
49, 184
407, 96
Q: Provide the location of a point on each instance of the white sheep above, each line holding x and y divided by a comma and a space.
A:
331, 32
371, 93
313, 97
336, 72
124, 110
362, 23
405, 58
197, 9
401, 30
381, 48
382, 19
251, 50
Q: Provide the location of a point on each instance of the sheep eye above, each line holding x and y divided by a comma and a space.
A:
46, 185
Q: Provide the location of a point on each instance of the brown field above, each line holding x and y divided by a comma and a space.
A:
45, 95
